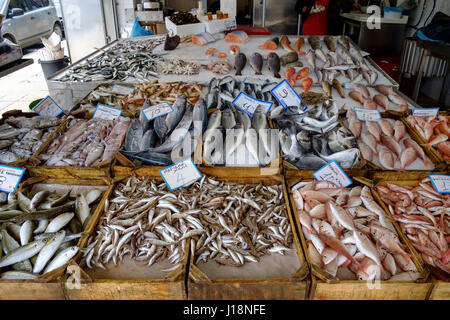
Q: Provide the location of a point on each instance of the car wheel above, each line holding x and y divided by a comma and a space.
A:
10, 38
58, 30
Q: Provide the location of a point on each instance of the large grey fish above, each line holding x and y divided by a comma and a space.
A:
200, 114
22, 253
150, 158
310, 162
49, 249
228, 119
243, 118
134, 136
239, 63
144, 122
346, 159
256, 61
178, 134
214, 123
165, 124
148, 140
234, 140
273, 62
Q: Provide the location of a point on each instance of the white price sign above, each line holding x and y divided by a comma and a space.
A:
332, 172
367, 114
230, 24
157, 110
180, 174
122, 90
425, 112
249, 104
106, 112
440, 182
48, 108
10, 178
286, 95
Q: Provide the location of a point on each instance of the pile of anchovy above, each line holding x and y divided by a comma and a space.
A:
20, 137
39, 234
226, 222
127, 59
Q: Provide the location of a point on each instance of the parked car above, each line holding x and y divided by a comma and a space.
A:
26, 21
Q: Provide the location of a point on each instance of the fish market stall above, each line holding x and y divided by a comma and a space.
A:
44, 225
340, 267
426, 229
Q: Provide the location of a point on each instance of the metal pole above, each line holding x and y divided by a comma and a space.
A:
299, 25
263, 3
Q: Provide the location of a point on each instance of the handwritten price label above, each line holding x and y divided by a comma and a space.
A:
48, 108
106, 112
122, 90
180, 174
332, 172
249, 104
440, 182
157, 110
425, 112
10, 178
286, 95
367, 114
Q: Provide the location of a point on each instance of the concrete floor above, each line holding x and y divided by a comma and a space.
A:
20, 88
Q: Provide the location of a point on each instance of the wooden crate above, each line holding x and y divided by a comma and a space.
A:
294, 287
35, 169
171, 287
440, 289
48, 286
326, 287
435, 156
44, 145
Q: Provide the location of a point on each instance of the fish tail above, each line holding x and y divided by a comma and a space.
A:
277, 75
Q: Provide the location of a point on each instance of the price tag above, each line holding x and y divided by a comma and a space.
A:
48, 108
286, 95
106, 112
122, 90
249, 104
332, 172
230, 24
10, 178
180, 174
367, 114
425, 112
440, 182
157, 110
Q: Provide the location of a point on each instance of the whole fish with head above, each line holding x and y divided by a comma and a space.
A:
256, 61
164, 125
239, 63
273, 62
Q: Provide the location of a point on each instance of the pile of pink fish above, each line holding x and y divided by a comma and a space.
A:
435, 131
386, 98
349, 235
424, 216
86, 142
386, 143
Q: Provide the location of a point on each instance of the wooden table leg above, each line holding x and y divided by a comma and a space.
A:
420, 75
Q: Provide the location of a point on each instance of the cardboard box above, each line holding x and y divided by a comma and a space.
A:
185, 29
161, 28
215, 26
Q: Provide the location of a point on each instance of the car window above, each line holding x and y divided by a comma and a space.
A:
19, 4
32, 4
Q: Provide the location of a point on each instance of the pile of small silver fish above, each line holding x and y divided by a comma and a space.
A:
424, 216
158, 92
21, 137
349, 235
178, 67
175, 133
386, 143
229, 223
313, 138
40, 234
103, 94
125, 60
86, 142
341, 58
